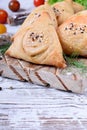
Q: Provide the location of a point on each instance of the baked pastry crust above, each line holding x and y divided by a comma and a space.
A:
32, 17
77, 7
73, 34
63, 10
38, 43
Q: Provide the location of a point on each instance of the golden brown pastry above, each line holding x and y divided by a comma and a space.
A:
63, 10
77, 7
35, 14
73, 34
38, 43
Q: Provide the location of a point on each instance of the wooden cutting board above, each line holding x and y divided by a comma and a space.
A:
69, 79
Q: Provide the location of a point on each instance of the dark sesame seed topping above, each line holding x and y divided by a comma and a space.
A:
39, 40
71, 24
39, 15
54, 8
74, 33
41, 36
66, 28
70, 28
33, 39
57, 10
62, 9
80, 28
82, 31
37, 36
84, 26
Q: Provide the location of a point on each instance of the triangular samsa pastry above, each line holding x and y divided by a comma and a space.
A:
73, 34
38, 43
32, 17
63, 10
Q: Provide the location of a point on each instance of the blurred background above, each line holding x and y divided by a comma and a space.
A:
24, 5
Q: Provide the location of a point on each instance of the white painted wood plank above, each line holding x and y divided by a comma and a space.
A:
32, 107
39, 118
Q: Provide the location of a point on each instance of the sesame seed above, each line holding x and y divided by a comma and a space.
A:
71, 24
82, 32
80, 28
70, 28
39, 40
84, 26
62, 9
74, 33
37, 36
39, 15
66, 28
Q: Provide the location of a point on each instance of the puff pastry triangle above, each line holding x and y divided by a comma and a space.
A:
73, 34
38, 43
32, 17
63, 10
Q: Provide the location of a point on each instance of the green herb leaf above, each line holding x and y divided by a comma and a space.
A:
82, 2
53, 1
73, 60
3, 48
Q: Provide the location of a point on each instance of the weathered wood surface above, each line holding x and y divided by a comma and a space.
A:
69, 79
25, 106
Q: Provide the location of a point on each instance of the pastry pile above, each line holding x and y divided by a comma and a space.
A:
48, 32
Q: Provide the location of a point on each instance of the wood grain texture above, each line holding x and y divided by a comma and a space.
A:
25, 106
69, 79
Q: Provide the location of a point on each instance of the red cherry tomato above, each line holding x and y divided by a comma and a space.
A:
3, 16
14, 5
38, 2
